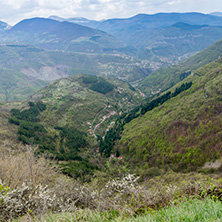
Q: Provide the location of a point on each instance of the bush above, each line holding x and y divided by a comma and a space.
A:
26, 199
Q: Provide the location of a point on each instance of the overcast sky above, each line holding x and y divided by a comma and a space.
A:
13, 11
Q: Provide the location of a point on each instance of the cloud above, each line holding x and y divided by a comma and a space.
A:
14, 10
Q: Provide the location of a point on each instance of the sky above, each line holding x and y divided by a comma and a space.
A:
13, 11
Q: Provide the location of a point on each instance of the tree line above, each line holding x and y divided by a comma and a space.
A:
114, 134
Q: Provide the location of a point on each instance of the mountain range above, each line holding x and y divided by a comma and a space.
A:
162, 37
178, 129
168, 35
66, 36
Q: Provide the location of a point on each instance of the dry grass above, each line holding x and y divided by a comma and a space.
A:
21, 165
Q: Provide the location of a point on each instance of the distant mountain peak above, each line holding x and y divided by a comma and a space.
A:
216, 14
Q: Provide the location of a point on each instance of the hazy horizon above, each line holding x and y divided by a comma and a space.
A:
12, 11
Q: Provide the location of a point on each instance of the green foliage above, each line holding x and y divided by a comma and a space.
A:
102, 86
184, 75
73, 140
182, 88
98, 84
29, 114
113, 134
79, 169
14, 120
41, 106
184, 132
89, 79
131, 87
70, 140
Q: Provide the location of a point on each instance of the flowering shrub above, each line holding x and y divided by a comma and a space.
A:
126, 184
26, 199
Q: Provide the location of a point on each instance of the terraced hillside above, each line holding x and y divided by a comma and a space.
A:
184, 132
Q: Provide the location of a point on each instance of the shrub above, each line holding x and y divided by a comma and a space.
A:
26, 199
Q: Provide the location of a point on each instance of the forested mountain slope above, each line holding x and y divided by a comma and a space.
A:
165, 78
182, 133
65, 118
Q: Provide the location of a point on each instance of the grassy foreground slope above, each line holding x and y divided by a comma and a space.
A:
193, 210
184, 132
165, 78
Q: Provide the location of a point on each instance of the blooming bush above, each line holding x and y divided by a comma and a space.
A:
26, 199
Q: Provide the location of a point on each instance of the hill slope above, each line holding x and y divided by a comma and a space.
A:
24, 69
165, 78
66, 36
8, 132
74, 101
184, 132
67, 118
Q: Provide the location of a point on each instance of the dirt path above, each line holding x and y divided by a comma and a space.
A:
103, 119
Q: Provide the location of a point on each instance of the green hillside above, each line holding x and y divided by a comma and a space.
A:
8, 132
165, 78
74, 101
24, 69
67, 118
182, 133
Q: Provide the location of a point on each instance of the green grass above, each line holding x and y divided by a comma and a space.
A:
194, 210
191, 210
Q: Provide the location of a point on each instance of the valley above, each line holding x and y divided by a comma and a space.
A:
25, 69
112, 120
